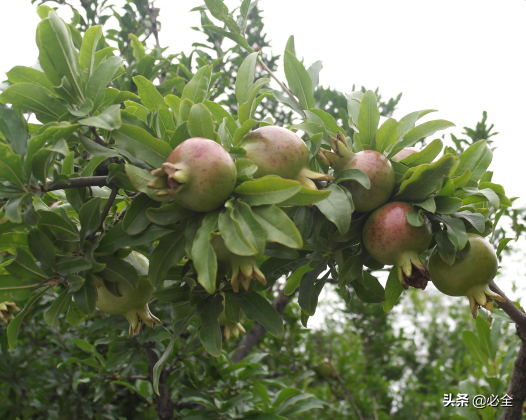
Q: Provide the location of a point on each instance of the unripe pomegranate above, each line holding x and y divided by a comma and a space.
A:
133, 303
231, 327
324, 370
390, 239
469, 276
199, 174
278, 151
375, 165
405, 152
243, 268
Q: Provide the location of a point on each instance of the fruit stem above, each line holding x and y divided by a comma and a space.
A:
288, 92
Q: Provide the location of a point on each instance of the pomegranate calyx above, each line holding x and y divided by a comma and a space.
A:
482, 297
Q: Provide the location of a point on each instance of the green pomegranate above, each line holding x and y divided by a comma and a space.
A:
405, 152
244, 268
469, 276
133, 303
231, 327
390, 239
199, 174
324, 370
375, 165
278, 151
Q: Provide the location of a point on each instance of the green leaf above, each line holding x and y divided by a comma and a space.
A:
70, 265
24, 267
21, 74
95, 149
256, 307
473, 344
476, 158
138, 47
99, 80
51, 317
427, 155
87, 51
353, 174
140, 143
250, 228
305, 197
11, 240
168, 214
89, 217
246, 110
200, 122
267, 190
210, 332
41, 247
56, 223
59, 48
116, 238
447, 205
109, 119
12, 127
233, 235
308, 295
197, 88
294, 281
456, 231
86, 297
420, 132
487, 193
242, 131
135, 220
387, 134
167, 254
475, 219
324, 118
179, 328
219, 10
11, 166
502, 245
238, 39
32, 98
203, 255
425, 179
415, 219
368, 118
366, 295
483, 330
393, 289
299, 80
337, 208
14, 325
119, 271
232, 309
149, 94
245, 78
277, 226
408, 122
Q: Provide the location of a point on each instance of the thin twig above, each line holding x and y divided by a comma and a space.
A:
105, 212
98, 139
288, 92
509, 307
87, 181
347, 391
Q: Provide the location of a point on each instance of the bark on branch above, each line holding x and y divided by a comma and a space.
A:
87, 181
517, 387
257, 332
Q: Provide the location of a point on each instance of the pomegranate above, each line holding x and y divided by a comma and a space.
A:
199, 174
243, 268
390, 239
231, 327
6, 311
469, 276
405, 152
324, 370
278, 151
133, 303
377, 167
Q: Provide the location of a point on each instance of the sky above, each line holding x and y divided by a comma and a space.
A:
458, 57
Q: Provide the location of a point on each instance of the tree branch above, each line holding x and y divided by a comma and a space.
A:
87, 181
163, 405
509, 307
105, 212
288, 92
257, 332
347, 391
517, 387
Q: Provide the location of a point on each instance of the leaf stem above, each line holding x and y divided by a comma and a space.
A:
288, 92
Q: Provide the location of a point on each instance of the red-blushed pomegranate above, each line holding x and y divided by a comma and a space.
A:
133, 303
405, 152
390, 239
231, 327
375, 165
243, 268
469, 276
199, 174
278, 151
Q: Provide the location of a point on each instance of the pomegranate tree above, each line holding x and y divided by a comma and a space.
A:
244, 268
199, 174
390, 239
468, 276
278, 151
375, 165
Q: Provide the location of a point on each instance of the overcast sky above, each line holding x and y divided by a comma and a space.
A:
460, 57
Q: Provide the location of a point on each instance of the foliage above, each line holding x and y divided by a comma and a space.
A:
83, 186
